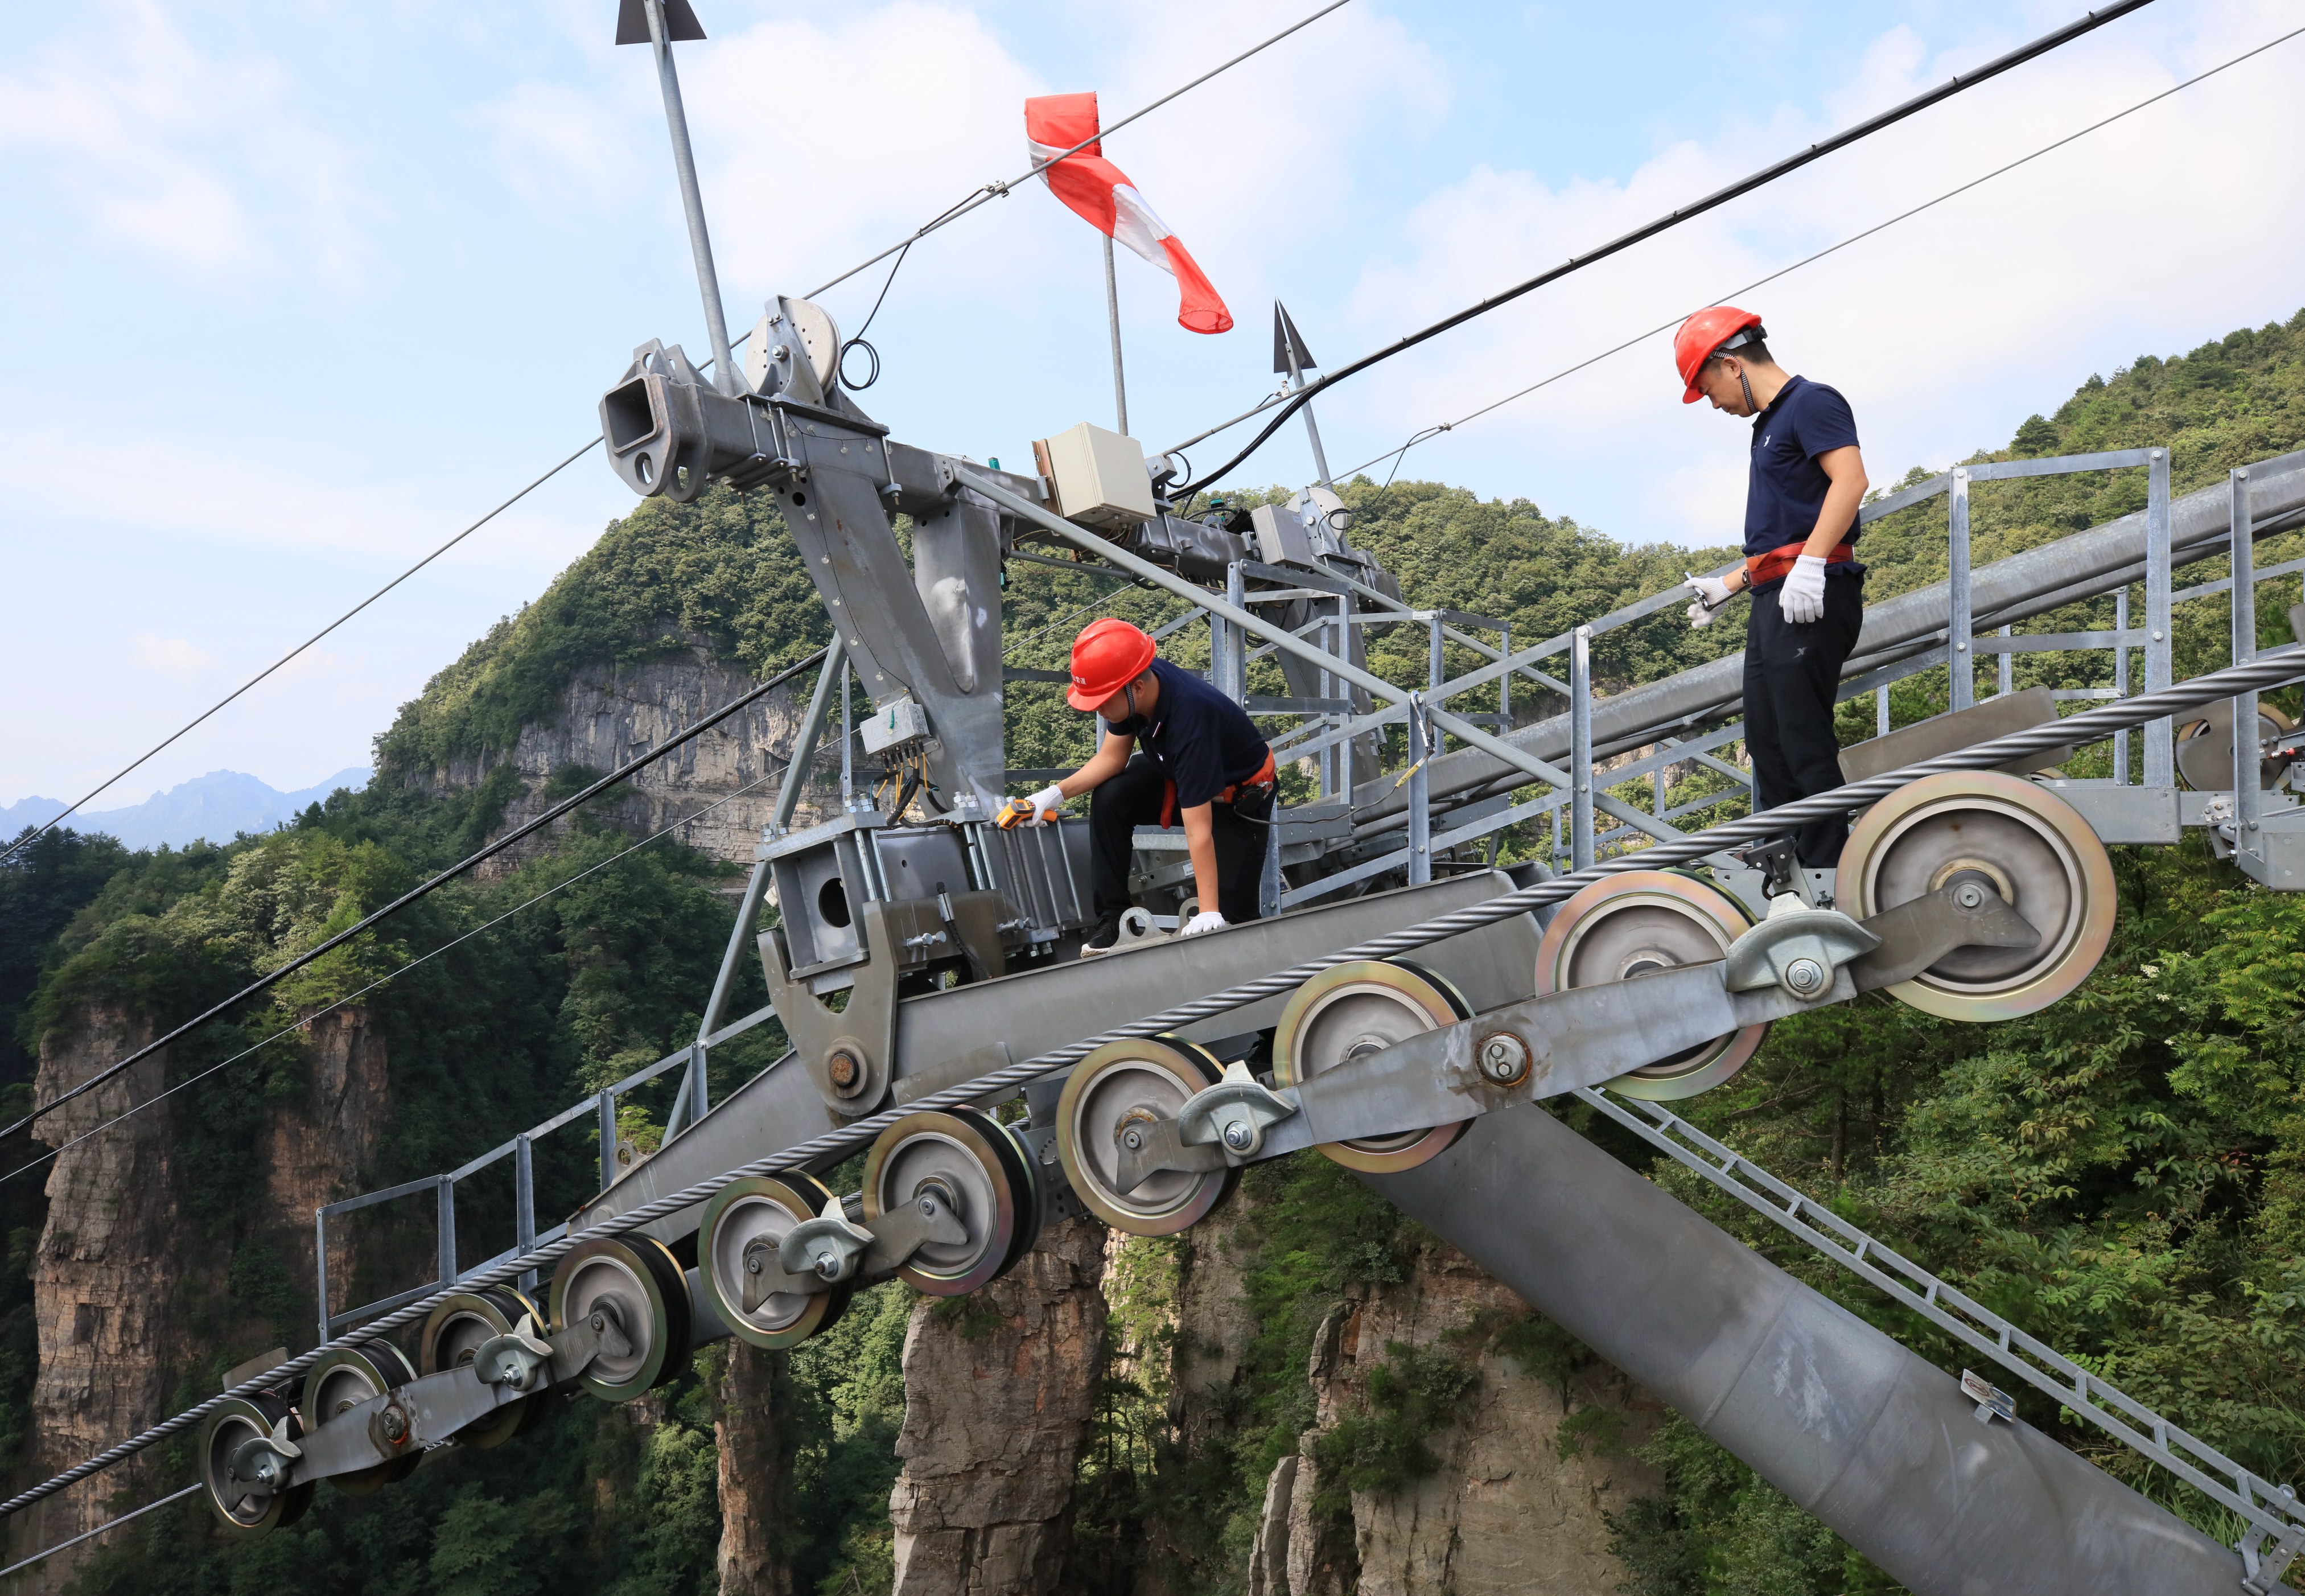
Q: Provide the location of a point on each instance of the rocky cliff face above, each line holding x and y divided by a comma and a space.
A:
315, 1153
756, 1473
999, 1391
726, 780
105, 1279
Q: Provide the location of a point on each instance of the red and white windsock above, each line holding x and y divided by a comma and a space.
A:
1100, 192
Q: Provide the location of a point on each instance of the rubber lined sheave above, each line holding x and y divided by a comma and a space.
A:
650, 1291
243, 1515
1358, 1008
453, 1331
345, 1378
735, 1215
1640, 921
2034, 850
993, 1185
1141, 1079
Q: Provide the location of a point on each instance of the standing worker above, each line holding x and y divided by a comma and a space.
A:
1806, 482
1202, 759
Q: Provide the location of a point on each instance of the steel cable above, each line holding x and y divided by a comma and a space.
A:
1959, 83
2274, 668
133, 764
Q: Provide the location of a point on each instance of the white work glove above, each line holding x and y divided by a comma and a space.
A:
1801, 600
1046, 805
1712, 593
1208, 919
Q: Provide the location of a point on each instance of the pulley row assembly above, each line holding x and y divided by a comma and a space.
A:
1970, 896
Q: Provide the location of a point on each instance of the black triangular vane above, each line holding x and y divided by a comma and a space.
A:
1285, 334
679, 20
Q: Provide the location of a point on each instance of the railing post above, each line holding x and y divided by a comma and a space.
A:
523, 1203
2006, 680
2121, 684
2248, 800
1580, 749
1505, 682
848, 738
445, 1208
2160, 736
1961, 664
607, 1139
1420, 811
1881, 711
320, 1265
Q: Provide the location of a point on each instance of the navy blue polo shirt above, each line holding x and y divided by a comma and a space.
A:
1201, 739
1786, 492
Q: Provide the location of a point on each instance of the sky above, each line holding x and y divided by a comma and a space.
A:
296, 292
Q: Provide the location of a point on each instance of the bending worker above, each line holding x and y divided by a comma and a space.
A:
1174, 748
1800, 565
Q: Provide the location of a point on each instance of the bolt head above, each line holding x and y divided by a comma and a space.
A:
600, 1321
394, 1425
1804, 975
1240, 1135
1502, 1059
1969, 894
1133, 1139
844, 1070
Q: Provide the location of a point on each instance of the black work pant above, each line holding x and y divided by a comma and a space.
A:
1133, 798
1793, 674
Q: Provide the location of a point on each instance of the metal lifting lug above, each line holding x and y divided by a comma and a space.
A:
264, 1460
1233, 1113
514, 1358
1797, 948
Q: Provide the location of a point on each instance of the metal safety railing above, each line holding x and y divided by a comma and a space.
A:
2274, 1517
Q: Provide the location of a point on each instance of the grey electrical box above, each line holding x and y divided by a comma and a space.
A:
1099, 477
895, 723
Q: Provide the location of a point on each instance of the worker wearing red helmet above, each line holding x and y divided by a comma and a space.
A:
1174, 750
1806, 482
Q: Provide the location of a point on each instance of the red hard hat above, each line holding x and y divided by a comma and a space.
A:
1107, 656
1700, 335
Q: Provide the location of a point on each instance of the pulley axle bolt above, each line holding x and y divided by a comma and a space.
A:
844, 1070
1805, 975
1133, 1139
1241, 1135
1969, 894
1504, 1059
394, 1424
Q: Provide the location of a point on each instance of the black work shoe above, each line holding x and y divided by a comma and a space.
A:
1103, 939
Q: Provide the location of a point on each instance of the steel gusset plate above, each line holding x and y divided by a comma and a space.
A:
246, 1510
634, 1278
742, 1213
992, 1185
453, 1335
1648, 920
1351, 1011
2028, 845
345, 1378
1137, 1082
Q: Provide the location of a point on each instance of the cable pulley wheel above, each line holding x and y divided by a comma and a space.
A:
1127, 1083
1350, 1012
738, 1215
454, 1331
246, 1511
1641, 921
635, 1280
987, 1179
2205, 747
2026, 844
345, 1378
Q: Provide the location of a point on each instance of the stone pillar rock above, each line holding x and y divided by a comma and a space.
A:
1000, 1390
752, 1434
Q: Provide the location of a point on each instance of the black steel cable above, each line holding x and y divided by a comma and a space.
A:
49, 826
1434, 431
2274, 668
43, 1555
1957, 84
693, 730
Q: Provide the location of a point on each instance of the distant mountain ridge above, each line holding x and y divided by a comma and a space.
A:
215, 807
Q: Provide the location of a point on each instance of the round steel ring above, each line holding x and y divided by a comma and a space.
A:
2059, 870
625, 1272
247, 1514
962, 1151
454, 1333
1646, 920
1134, 1082
738, 1214
1349, 1011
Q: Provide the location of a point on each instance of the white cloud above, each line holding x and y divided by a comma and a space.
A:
170, 656
192, 158
2150, 234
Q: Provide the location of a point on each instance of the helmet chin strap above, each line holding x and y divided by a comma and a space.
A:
1752, 407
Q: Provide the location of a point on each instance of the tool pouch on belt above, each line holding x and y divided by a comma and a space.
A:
1260, 785
1777, 564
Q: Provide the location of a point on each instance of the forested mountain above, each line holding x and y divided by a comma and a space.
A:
2120, 1173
